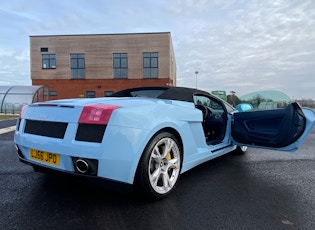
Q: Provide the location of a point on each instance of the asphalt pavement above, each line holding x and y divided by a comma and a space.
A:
7, 123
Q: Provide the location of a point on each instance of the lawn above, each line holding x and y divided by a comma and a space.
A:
7, 116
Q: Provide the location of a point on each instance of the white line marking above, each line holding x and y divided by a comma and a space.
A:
7, 129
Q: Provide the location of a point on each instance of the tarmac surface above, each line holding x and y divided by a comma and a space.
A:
262, 189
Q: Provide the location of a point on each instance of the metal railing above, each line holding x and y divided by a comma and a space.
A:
12, 108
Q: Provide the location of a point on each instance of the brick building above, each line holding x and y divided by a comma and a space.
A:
97, 65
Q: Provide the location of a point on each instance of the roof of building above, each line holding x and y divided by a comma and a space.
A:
149, 33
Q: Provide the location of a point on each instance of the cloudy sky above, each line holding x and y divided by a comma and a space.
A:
235, 45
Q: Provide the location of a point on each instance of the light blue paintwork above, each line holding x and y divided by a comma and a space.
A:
129, 130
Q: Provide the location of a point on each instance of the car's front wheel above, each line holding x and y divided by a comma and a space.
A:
240, 150
159, 168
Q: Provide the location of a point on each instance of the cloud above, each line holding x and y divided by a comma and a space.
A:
188, 7
14, 67
264, 45
239, 45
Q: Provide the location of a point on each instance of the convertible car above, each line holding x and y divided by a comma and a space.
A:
146, 137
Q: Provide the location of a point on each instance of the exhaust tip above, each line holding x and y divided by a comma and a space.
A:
85, 166
82, 166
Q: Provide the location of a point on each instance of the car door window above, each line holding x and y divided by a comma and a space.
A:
212, 104
229, 108
266, 100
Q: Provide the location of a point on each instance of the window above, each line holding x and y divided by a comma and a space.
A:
90, 94
108, 93
208, 102
150, 65
48, 61
52, 93
120, 65
229, 107
77, 66
44, 49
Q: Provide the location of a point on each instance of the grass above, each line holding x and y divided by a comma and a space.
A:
8, 116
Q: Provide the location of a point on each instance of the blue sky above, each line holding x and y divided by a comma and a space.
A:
240, 46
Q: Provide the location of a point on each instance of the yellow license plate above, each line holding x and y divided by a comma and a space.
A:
48, 158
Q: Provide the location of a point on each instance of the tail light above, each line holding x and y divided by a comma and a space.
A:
22, 111
97, 114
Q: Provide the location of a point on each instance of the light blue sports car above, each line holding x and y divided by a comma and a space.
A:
146, 137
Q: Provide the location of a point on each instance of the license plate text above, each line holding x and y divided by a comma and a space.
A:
46, 157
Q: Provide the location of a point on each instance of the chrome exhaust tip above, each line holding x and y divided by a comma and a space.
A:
82, 166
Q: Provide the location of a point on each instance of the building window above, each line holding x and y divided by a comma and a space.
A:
90, 94
108, 93
44, 49
53, 93
120, 65
77, 66
48, 61
150, 65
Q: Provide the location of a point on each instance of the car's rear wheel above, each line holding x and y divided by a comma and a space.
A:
159, 168
240, 150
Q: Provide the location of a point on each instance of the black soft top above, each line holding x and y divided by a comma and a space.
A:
161, 92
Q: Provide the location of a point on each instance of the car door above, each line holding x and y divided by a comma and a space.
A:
281, 129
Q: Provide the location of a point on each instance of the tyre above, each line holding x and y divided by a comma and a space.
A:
37, 168
240, 150
159, 167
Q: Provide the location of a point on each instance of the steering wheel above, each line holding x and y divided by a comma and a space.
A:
205, 111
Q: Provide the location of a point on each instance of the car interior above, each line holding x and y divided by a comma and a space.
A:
214, 118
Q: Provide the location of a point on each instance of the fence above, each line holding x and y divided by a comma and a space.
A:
12, 98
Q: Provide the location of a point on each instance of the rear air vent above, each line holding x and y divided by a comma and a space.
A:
90, 133
46, 128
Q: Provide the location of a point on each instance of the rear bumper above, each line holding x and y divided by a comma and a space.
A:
117, 156
102, 183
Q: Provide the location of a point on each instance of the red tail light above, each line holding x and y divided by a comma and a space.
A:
97, 114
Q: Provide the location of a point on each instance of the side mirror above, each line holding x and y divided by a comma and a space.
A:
244, 107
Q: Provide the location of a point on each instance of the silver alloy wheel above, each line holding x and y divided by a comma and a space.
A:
164, 165
243, 148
